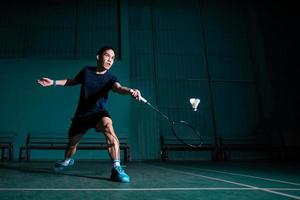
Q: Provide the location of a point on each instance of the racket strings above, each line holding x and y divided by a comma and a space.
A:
182, 130
187, 134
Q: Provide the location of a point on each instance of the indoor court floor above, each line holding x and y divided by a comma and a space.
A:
152, 180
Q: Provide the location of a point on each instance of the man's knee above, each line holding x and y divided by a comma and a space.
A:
105, 125
72, 146
108, 127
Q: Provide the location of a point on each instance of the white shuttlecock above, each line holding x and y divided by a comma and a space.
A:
195, 102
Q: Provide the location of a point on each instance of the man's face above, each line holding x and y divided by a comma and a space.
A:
106, 60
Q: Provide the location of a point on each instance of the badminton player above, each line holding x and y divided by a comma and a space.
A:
96, 82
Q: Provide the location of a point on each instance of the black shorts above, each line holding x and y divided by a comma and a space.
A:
81, 125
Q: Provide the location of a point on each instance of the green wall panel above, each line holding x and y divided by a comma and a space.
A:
181, 67
179, 42
177, 15
230, 68
236, 109
141, 42
61, 30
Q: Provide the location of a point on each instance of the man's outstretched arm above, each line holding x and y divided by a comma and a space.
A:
46, 82
117, 87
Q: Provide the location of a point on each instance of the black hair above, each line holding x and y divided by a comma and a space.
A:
103, 49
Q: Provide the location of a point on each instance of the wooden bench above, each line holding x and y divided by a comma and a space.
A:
57, 143
172, 144
7, 147
243, 144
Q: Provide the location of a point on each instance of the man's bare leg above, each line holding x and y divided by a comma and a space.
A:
105, 125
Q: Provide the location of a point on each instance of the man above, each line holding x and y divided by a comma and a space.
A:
96, 82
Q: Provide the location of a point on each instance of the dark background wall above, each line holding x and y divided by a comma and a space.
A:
278, 25
238, 57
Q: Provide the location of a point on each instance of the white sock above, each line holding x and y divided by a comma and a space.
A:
66, 161
116, 163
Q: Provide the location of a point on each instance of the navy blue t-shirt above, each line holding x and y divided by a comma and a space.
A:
94, 91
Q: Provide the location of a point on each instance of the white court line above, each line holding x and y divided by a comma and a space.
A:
140, 189
232, 182
244, 175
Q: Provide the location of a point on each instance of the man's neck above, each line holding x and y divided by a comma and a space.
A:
100, 70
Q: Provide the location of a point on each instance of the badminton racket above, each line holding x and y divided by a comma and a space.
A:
182, 130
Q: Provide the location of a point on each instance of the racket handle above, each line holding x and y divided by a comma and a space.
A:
143, 99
